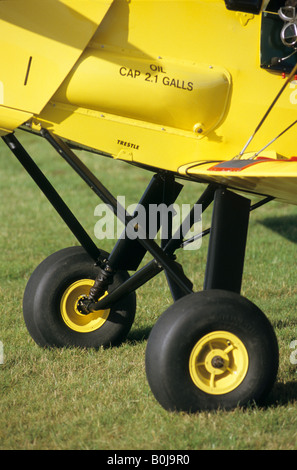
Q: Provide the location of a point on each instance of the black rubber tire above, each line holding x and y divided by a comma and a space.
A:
183, 324
42, 297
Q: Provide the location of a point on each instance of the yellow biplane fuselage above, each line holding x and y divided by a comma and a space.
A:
158, 83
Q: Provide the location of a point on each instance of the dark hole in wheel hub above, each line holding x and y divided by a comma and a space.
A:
217, 362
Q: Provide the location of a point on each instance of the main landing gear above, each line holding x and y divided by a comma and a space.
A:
211, 349
51, 303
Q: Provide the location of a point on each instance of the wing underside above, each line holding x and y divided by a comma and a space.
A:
261, 176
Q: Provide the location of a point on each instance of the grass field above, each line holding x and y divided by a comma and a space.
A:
89, 400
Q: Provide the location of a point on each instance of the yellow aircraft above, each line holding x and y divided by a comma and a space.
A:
202, 90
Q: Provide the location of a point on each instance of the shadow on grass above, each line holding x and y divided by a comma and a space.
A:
139, 334
286, 226
283, 394
280, 324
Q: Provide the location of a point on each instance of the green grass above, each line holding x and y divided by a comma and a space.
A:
86, 399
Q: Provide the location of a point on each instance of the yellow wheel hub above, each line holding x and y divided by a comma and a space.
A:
218, 362
71, 314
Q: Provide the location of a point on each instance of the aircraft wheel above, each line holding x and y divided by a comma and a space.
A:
209, 350
51, 298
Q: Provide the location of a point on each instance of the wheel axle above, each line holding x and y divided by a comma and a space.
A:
218, 362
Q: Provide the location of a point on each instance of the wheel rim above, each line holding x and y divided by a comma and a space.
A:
71, 314
218, 362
